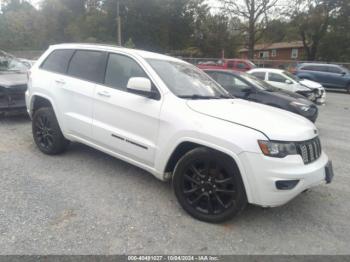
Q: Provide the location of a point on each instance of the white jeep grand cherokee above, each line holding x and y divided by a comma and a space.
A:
169, 118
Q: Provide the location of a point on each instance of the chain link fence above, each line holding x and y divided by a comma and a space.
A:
282, 64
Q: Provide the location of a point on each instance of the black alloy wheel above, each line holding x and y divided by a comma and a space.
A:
208, 185
44, 132
47, 133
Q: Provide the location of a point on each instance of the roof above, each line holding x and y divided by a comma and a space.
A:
272, 70
103, 47
318, 64
280, 45
223, 70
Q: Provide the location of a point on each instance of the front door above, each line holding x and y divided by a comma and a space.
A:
125, 123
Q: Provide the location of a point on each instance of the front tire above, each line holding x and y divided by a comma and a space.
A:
47, 133
208, 185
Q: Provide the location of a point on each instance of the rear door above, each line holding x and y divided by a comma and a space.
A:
76, 91
125, 123
336, 77
319, 72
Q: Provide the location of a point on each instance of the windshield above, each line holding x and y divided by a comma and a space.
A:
261, 84
294, 77
187, 81
12, 64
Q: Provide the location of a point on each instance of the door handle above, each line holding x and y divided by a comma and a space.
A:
60, 81
104, 94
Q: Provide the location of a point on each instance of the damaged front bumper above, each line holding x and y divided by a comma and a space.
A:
12, 98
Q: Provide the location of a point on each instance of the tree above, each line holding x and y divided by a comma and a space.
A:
335, 44
254, 14
312, 18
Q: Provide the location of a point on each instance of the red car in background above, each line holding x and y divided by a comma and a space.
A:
241, 65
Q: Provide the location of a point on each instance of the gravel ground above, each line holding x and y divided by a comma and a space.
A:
86, 202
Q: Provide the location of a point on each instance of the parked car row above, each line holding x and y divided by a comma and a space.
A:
173, 120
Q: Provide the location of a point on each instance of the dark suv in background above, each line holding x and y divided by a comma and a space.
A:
329, 75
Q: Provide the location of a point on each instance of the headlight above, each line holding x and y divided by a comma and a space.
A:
277, 149
300, 106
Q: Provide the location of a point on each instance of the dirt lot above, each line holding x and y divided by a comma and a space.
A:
86, 202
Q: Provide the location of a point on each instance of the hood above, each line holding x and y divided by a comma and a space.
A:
276, 124
298, 87
291, 97
8, 79
282, 93
310, 84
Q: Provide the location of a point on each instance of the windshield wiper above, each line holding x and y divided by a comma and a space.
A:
229, 96
199, 97
207, 97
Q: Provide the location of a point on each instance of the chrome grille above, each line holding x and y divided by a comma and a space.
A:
309, 150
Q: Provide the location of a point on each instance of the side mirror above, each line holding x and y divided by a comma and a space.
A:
343, 73
140, 85
288, 82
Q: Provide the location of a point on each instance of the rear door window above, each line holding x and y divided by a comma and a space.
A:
315, 68
58, 61
334, 69
260, 75
277, 78
88, 65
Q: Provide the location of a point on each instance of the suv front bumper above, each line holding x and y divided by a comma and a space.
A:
12, 98
263, 172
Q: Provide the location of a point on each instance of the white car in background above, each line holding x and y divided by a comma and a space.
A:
283, 79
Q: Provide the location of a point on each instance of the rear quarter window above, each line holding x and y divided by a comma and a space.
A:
58, 61
88, 65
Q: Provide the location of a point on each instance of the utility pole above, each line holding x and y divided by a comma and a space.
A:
119, 26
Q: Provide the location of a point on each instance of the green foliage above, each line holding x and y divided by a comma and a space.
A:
156, 25
179, 27
130, 44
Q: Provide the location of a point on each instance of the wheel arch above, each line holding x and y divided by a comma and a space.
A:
185, 146
38, 102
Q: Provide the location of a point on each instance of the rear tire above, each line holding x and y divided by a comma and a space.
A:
47, 133
208, 185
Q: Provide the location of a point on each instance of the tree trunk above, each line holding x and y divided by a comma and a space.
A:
251, 31
251, 42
